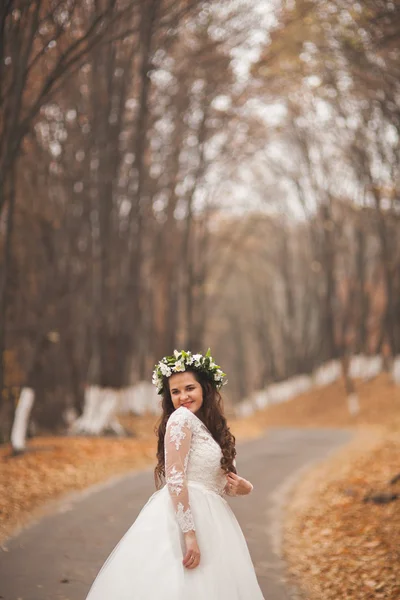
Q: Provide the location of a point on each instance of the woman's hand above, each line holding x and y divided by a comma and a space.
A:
237, 486
191, 559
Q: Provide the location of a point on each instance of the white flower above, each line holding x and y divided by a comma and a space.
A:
198, 358
165, 370
179, 366
157, 380
180, 361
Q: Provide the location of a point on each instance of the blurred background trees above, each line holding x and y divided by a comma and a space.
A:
194, 174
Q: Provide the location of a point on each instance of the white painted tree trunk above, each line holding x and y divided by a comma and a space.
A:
102, 405
21, 419
274, 394
365, 367
140, 399
396, 370
327, 373
360, 367
244, 409
353, 404
99, 412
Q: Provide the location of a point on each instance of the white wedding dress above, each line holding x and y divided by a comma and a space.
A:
147, 562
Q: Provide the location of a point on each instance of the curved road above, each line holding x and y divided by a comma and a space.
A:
58, 557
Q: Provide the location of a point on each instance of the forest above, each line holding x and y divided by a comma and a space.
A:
193, 174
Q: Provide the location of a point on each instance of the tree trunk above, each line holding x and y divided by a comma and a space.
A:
21, 420
4, 281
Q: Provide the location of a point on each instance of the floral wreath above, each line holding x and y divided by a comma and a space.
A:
182, 360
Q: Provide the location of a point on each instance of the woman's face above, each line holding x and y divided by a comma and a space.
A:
186, 391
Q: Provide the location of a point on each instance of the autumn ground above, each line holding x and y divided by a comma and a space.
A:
337, 545
53, 466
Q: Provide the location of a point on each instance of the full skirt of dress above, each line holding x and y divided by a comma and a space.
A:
146, 564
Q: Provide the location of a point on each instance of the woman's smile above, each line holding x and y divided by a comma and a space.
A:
186, 391
187, 403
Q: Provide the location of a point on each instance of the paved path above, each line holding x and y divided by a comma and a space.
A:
58, 557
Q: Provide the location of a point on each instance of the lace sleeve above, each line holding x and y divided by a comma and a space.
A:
177, 447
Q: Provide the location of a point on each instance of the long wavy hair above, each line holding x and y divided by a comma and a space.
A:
210, 413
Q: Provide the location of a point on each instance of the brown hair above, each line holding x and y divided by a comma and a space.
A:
210, 413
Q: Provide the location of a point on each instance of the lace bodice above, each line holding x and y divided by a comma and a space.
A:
191, 455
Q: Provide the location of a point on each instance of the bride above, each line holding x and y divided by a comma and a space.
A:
186, 542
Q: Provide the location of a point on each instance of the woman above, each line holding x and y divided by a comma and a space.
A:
186, 543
